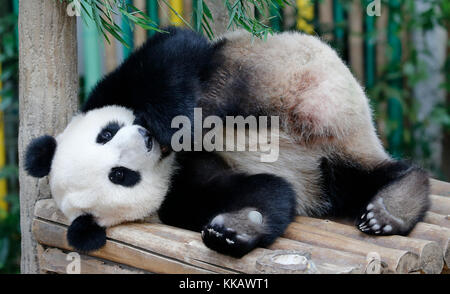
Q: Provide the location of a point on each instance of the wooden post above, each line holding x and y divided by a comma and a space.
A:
48, 95
220, 16
140, 34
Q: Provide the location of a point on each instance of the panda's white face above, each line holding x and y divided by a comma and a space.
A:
106, 166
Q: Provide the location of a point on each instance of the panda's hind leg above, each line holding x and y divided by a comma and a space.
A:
387, 199
398, 206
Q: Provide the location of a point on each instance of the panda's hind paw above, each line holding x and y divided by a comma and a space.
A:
234, 234
376, 220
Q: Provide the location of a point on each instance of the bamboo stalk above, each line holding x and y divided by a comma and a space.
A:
429, 252
435, 233
140, 34
395, 111
126, 27
339, 31
3, 190
326, 18
440, 204
305, 15
153, 13
48, 97
381, 39
355, 41
369, 46
397, 261
326, 260
176, 5
54, 260
437, 219
276, 20
54, 235
440, 187
92, 59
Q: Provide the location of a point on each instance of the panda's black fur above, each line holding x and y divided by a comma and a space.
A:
158, 81
235, 210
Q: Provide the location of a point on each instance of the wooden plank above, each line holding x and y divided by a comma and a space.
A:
289, 17
440, 187
356, 42
323, 264
140, 34
430, 253
48, 97
54, 235
187, 11
440, 204
437, 219
56, 261
163, 12
435, 233
397, 261
326, 18
326, 260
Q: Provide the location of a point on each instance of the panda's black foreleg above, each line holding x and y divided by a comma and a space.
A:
387, 199
259, 210
235, 213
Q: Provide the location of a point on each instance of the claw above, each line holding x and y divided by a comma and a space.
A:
229, 241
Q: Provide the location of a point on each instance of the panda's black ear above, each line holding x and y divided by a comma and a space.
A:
39, 156
85, 235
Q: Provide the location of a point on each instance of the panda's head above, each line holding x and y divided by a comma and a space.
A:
103, 170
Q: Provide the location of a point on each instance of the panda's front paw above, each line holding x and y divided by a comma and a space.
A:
234, 234
377, 220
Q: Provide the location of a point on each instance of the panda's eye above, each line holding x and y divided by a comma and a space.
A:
108, 132
124, 176
106, 135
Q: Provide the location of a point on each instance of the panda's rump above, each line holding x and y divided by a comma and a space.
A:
295, 76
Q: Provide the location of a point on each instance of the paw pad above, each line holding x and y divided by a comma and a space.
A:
234, 234
377, 220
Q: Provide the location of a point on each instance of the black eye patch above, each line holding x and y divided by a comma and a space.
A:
108, 132
124, 176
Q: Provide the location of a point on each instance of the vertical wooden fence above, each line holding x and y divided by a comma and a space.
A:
48, 96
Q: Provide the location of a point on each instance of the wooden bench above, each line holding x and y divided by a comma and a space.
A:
309, 245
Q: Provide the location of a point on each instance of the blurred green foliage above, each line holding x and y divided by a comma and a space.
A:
9, 220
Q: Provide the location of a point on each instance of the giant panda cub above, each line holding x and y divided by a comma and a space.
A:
114, 162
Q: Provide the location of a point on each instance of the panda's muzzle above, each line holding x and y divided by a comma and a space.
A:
147, 138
